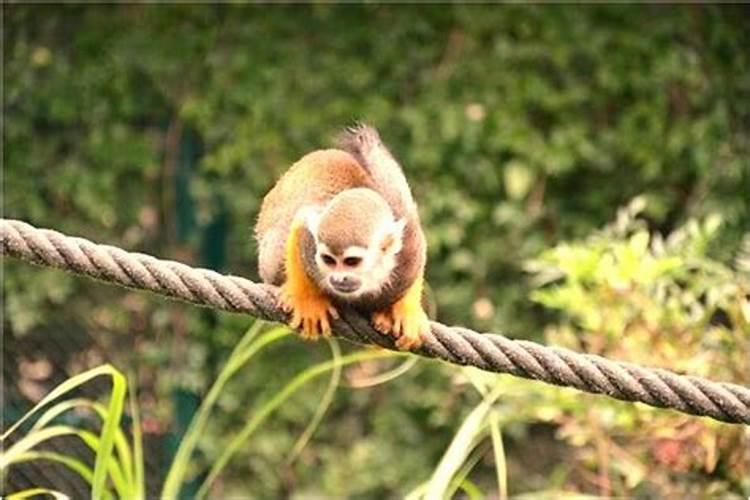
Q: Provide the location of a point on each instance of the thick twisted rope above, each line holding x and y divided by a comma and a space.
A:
590, 373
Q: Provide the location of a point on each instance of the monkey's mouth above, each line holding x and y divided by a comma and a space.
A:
345, 285
345, 288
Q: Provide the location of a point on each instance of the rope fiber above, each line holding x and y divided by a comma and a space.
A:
625, 381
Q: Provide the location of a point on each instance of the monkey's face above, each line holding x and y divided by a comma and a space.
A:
350, 269
356, 242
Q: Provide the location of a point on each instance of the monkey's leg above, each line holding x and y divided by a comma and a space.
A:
406, 319
300, 296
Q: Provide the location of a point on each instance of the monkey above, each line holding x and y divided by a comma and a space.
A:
340, 228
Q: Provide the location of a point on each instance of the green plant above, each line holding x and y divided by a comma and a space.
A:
626, 292
464, 450
125, 469
115, 458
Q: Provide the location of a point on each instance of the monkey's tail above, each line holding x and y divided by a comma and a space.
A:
363, 142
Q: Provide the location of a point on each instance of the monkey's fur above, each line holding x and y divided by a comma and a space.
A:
341, 228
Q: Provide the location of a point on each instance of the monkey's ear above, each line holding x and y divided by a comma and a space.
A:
394, 234
310, 217
312, 221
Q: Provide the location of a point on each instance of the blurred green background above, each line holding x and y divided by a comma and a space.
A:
583, 175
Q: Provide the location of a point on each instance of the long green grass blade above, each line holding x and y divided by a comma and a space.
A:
125, 459
418, 492
325, 402
242, 353
463, 442
121, 443
460, 480
387, 376
61, 389
22, 449
71, 463
139, 477
83, 470
288, 390
250, 335
109, 429
34, 492
27, 442
112, 466
60, 408
110, 425
499, 452
472, 490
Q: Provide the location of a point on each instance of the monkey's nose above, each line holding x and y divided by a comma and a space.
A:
345, 283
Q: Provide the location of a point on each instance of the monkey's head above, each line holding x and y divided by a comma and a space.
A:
357, 239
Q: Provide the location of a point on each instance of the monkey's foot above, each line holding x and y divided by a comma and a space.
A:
406, 323
311, 313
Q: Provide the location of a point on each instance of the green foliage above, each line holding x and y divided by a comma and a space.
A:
632, 291
108, 465
628, 294
456, 463
159, 129
245, 350
125, 470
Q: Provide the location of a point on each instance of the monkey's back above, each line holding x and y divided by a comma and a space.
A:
311, 182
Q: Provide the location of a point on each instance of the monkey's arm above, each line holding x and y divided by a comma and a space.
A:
300, 295
405, 319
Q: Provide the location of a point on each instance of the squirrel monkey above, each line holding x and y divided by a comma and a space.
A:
341, 228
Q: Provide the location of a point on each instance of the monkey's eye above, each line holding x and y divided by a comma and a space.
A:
329, 261
352, 261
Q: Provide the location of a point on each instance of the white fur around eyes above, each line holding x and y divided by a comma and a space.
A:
360, 252
375, 271
378, 275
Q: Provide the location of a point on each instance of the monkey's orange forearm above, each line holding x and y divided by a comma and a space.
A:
411, 302
301, 296
297, 280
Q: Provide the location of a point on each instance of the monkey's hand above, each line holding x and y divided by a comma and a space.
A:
309, 308
302, 297
405, 320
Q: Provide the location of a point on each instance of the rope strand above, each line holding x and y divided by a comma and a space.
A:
491, 352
